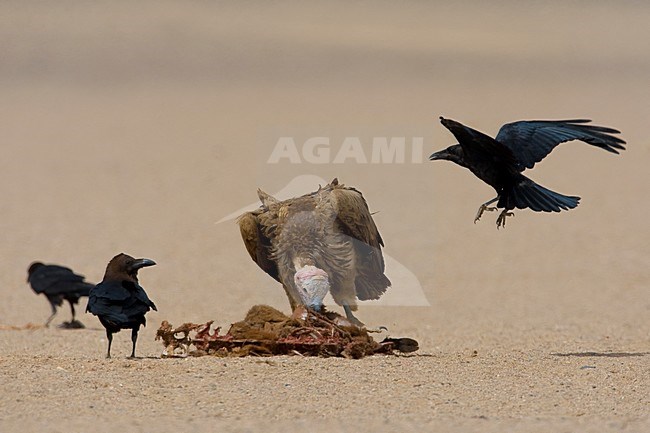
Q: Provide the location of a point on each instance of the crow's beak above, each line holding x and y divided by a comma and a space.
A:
439, 155
141, 263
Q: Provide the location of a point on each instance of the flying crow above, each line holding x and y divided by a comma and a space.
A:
500, 161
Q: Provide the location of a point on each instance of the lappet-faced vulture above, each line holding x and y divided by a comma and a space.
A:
321, 242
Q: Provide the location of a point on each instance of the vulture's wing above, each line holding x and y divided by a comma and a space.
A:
532, 140
257, 243
355, 220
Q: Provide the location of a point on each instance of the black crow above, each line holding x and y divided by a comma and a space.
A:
58, 283
500, 161
119, 301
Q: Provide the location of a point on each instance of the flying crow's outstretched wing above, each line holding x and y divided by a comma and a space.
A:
532, 140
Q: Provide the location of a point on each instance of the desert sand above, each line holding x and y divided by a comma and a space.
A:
136, 127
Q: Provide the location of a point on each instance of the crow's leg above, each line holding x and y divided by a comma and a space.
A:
74, 324
501, 221
485, 207
134, 338
109, 335
49, 319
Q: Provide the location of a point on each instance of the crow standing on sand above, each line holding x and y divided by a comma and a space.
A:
58, 283
500, 161
119, 301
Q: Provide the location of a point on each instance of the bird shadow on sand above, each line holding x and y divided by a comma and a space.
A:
73, 324
94, 328
65, 326
143, 358
602, 354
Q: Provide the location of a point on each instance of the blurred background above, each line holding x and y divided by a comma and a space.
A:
136, 126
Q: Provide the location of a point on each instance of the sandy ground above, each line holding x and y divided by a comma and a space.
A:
136, 126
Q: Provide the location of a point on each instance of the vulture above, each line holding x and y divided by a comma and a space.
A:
321, 242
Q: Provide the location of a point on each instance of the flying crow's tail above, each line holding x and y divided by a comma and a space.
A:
527, 194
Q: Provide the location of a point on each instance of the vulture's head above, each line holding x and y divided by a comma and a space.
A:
312, 284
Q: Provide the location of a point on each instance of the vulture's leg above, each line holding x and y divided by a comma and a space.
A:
292, 295
351, 318
49, 319
359, 323
485, 207
501, 221
345, 294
